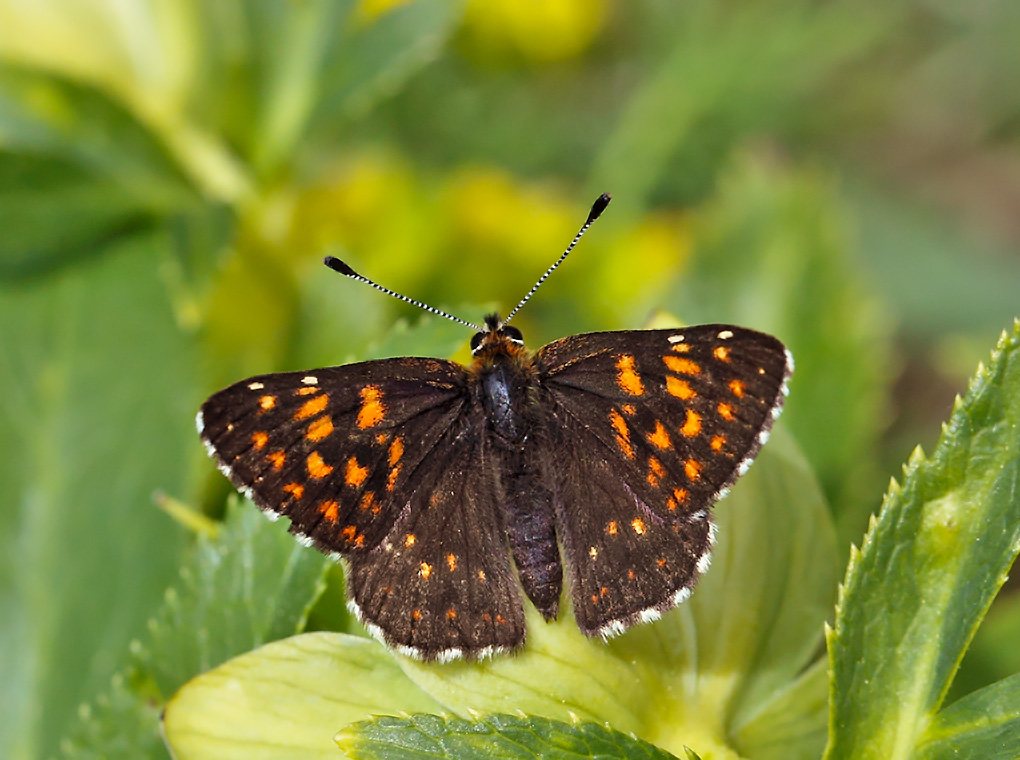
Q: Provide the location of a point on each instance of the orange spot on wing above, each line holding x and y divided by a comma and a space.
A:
368, 502
737, 388
416, 614
451, 562
726, 411
681, 348
622, 433
372, 411
481, 576
308, 390
718, 442
627, 377
319, 429
259, 440
655, 471
295, 489
396, 450
661, 562
381, 438
679, 388
425, 570
267, 402
680, 494
722, 353
312, 407
638, 525
317, 468
692, 468
611, 528
330, 510
681, 365
391, 482
355, 474
349, 532
277, 459
451, 614
631, 574
409, 540
659, 437
692, 425
628, 409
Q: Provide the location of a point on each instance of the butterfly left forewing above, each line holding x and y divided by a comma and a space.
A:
333, 449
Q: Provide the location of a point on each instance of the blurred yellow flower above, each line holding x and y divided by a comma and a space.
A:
537, 30
370, 10
491, 210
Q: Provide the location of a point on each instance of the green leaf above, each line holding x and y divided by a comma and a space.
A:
287, 700
741, 68
774, 250
98, 392
249, 584
984, 724
47, 117
52, 211
928, 570
426, 737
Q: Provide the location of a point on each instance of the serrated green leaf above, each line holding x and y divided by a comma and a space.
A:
929, 568
98, 385
984, 724
249, 584
427, 737
287, 700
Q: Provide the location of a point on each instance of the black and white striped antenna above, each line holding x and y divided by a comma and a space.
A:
340, 266
596, 209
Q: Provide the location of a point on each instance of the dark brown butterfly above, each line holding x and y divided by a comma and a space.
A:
449, 489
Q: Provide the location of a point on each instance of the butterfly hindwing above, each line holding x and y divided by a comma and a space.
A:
334, 449
653, 427
441, 585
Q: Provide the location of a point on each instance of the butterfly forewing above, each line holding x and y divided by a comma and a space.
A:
652, 427
335, 449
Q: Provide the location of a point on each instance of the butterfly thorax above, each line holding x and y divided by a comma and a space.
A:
503, 379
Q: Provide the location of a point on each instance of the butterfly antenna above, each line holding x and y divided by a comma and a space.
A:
596, 209
339, 266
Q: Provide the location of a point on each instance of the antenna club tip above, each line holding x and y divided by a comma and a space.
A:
339, 266
599, 206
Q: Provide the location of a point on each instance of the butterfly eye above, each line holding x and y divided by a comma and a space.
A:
476, 341
514, 334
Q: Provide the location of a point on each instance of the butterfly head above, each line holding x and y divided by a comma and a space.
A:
497, 336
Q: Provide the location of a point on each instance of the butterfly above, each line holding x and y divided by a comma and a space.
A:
448, 490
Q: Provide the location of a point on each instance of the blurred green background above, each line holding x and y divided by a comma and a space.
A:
844, 174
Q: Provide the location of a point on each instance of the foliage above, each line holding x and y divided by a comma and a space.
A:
173, 171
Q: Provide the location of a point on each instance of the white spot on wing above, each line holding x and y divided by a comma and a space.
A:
199, 422
255, 386
675, 338
310, 380
303, 539
725, 334
704, 562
